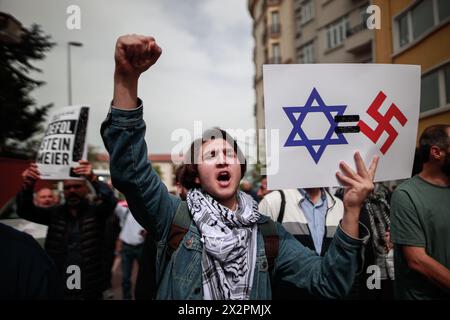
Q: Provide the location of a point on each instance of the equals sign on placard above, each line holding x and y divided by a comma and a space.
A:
347, 129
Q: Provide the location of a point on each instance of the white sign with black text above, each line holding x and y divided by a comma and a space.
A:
64, 143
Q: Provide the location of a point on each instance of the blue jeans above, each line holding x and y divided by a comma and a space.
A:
129, 254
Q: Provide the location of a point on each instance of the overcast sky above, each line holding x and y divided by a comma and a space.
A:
204, 74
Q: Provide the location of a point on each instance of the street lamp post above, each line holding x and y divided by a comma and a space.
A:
69, 71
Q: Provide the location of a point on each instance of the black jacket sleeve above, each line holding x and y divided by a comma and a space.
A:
105, 198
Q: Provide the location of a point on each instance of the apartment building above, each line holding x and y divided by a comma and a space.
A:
306, 31
418, 32
332, 31
274, 34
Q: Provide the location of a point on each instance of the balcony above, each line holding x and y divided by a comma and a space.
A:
359, 40
274, 30
272, 3
274, 60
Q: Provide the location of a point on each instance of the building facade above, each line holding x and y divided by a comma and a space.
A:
274, 34
418, 32
332, 31
306, 31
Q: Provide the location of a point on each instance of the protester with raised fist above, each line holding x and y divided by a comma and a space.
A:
217, 245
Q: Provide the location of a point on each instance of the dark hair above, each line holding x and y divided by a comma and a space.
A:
179, 173
417, 164
433, 136
190, 167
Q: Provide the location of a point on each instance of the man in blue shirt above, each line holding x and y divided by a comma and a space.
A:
311, 215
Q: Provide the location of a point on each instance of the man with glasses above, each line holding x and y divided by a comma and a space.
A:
75, 229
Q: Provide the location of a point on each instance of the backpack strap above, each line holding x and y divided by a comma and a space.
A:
282, 206
180, 226
271, 242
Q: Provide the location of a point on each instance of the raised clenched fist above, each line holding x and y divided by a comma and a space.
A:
135, 54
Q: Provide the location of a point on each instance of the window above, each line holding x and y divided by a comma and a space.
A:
403, 30
337, 32
421, 18
276, 53
364, 15
275, 22
307, 13
429, 98
447, 83
328, 39
307, 53
435, 89
444, 9
275, 17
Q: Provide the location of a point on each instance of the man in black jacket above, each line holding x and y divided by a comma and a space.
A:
75, 229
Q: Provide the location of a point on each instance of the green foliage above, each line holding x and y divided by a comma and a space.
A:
92, 153
20, 118
157, 169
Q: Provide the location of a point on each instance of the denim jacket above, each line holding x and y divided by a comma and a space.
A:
179, 276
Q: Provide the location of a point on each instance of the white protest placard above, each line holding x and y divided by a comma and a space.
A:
64, 143
320, 114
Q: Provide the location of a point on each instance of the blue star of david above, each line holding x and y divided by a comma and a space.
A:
298, 130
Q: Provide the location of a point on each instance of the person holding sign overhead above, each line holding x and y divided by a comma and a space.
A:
75, 229
217, 245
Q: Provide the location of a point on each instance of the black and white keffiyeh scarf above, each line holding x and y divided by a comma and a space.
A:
378, 209
229, 244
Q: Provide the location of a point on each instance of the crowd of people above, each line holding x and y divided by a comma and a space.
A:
220, 237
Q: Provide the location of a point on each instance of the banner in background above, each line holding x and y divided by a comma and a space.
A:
64, 143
